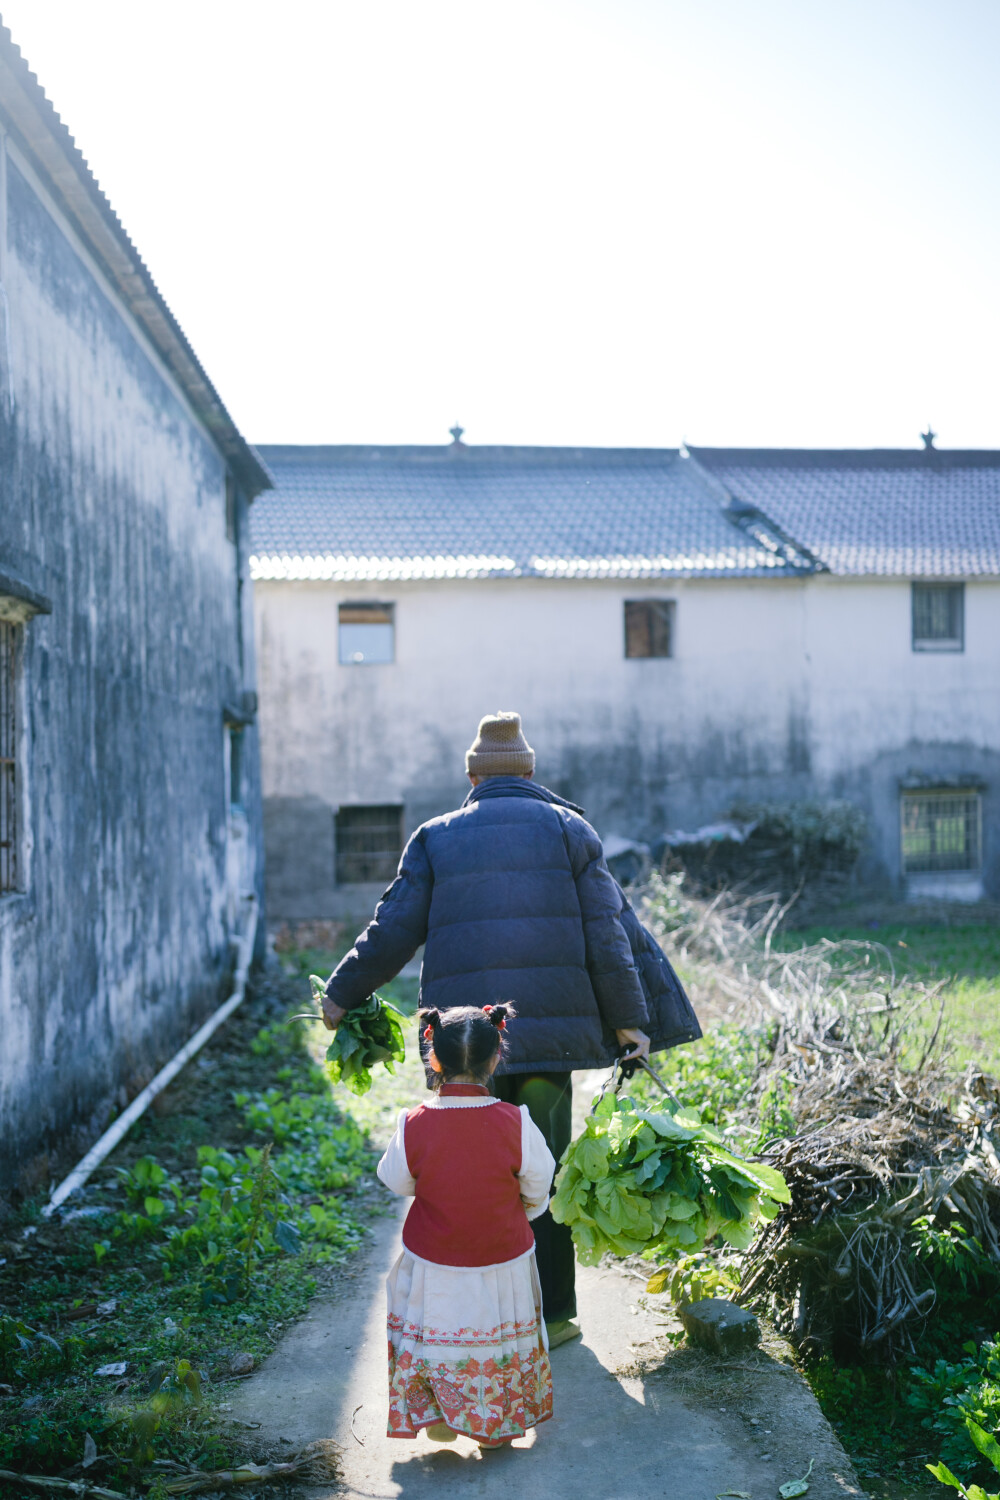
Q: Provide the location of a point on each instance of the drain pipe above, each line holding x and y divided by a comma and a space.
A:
114, 1133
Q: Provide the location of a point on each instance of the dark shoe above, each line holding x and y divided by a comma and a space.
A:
563, 1333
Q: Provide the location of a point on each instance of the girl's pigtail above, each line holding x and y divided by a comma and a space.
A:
499, 1015
430, 1019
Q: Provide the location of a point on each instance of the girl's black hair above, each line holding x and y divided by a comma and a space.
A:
465, 1039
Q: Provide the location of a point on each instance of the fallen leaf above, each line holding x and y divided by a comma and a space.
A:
89, 1451
795, 1487
105, 1309
119, 1367
85, 1310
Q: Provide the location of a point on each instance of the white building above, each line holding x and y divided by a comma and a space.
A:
678, 630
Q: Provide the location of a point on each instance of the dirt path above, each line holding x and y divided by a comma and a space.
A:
634, 1420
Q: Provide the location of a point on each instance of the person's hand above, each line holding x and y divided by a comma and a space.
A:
631, 1036
332, 1014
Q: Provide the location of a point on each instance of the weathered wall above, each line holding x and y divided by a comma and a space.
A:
778, 688
880, 712
113, 507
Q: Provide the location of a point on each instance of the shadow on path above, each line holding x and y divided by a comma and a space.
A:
629, 1423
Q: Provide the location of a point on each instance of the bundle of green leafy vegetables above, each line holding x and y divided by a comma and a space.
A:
367, 1035
638, 1180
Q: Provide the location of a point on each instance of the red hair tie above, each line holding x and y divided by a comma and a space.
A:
428, 1033
501, 1026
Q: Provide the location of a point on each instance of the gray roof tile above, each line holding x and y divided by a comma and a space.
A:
888, 512
351, 513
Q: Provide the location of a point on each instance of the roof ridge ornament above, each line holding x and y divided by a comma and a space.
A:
456, 434
927, 438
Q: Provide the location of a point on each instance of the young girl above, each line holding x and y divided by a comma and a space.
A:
467, 1346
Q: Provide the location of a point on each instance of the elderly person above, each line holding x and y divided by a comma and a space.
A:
515, 903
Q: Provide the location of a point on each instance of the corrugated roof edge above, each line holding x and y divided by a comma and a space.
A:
277, 453
32, 120
848, 458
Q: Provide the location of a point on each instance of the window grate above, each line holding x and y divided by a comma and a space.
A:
649, 627
938, 616
940, 831
8, 758
369, 843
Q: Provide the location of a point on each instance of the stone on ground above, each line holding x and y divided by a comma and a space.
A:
720, 1326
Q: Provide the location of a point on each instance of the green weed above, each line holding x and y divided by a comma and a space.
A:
219, 1218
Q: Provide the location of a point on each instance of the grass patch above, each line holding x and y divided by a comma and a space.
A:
820, 992
966, 955
194, 1246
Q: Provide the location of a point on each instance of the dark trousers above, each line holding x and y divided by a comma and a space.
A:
549, 1098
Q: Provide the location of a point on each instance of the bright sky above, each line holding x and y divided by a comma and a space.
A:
558, 221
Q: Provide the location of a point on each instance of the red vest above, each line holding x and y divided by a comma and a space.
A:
467, 1210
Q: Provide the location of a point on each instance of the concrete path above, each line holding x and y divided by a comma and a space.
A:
634, 1419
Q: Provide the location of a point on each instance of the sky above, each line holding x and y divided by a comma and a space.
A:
584, 222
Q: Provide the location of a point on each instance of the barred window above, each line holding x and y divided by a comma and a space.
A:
8, 757
938, 611
649, 627
940, 831
367, 634
369, 843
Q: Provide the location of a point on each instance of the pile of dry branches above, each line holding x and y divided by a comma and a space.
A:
836, 1269
876, 1145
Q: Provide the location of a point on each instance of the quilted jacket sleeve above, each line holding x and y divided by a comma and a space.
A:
392, 936
609, 957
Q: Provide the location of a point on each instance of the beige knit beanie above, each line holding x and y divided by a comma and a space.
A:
500, 748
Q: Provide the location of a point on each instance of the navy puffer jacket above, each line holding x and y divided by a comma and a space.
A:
513, 899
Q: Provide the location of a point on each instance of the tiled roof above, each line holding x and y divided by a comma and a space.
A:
890, 512
349, 513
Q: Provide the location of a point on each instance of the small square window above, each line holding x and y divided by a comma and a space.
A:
367, 634
940, 831
939, 616
369, 843
649, 627
8, 757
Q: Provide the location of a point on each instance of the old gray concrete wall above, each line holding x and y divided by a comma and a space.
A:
778, 689
118, 941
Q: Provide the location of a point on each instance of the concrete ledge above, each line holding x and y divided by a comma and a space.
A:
18, 602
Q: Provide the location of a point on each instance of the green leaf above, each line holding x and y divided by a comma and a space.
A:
368, 1035
670, 1127
287, 1237
942, 1473
985, 1442
592, 1158
794, 1487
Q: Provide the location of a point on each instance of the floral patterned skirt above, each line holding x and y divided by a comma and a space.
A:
467, 1346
